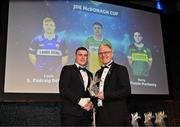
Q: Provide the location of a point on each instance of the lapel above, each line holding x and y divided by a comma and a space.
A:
79, 74
109, 74
99, 73
89, 77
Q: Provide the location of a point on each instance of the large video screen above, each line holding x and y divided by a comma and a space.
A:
43, 35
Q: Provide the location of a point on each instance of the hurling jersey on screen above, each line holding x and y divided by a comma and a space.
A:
93, 46
140, 58
48, 53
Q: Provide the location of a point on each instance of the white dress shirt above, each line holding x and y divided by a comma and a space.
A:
101, 84
84, 75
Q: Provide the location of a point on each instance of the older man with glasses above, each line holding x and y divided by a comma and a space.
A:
114, 88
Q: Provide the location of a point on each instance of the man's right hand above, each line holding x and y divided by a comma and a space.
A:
88, 106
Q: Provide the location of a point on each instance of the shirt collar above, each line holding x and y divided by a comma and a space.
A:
77, 65
109, 64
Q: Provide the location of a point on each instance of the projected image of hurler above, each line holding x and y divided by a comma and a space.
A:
139, 56
48, 52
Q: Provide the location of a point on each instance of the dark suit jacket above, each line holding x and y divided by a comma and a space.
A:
72, 89
116, 90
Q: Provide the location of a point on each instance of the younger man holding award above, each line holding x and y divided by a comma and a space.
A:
74, 81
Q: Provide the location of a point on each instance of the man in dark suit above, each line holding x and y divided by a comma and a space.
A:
74, 81
114, 88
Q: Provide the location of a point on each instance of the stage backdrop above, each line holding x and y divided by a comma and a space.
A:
34, 63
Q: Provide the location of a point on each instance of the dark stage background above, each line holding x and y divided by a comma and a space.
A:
41, 113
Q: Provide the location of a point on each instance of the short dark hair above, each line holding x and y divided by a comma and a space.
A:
98, 23
81, 48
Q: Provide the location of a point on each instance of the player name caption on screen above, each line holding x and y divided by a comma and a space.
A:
48, 79
142, 82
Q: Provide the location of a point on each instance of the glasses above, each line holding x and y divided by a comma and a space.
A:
104, 53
